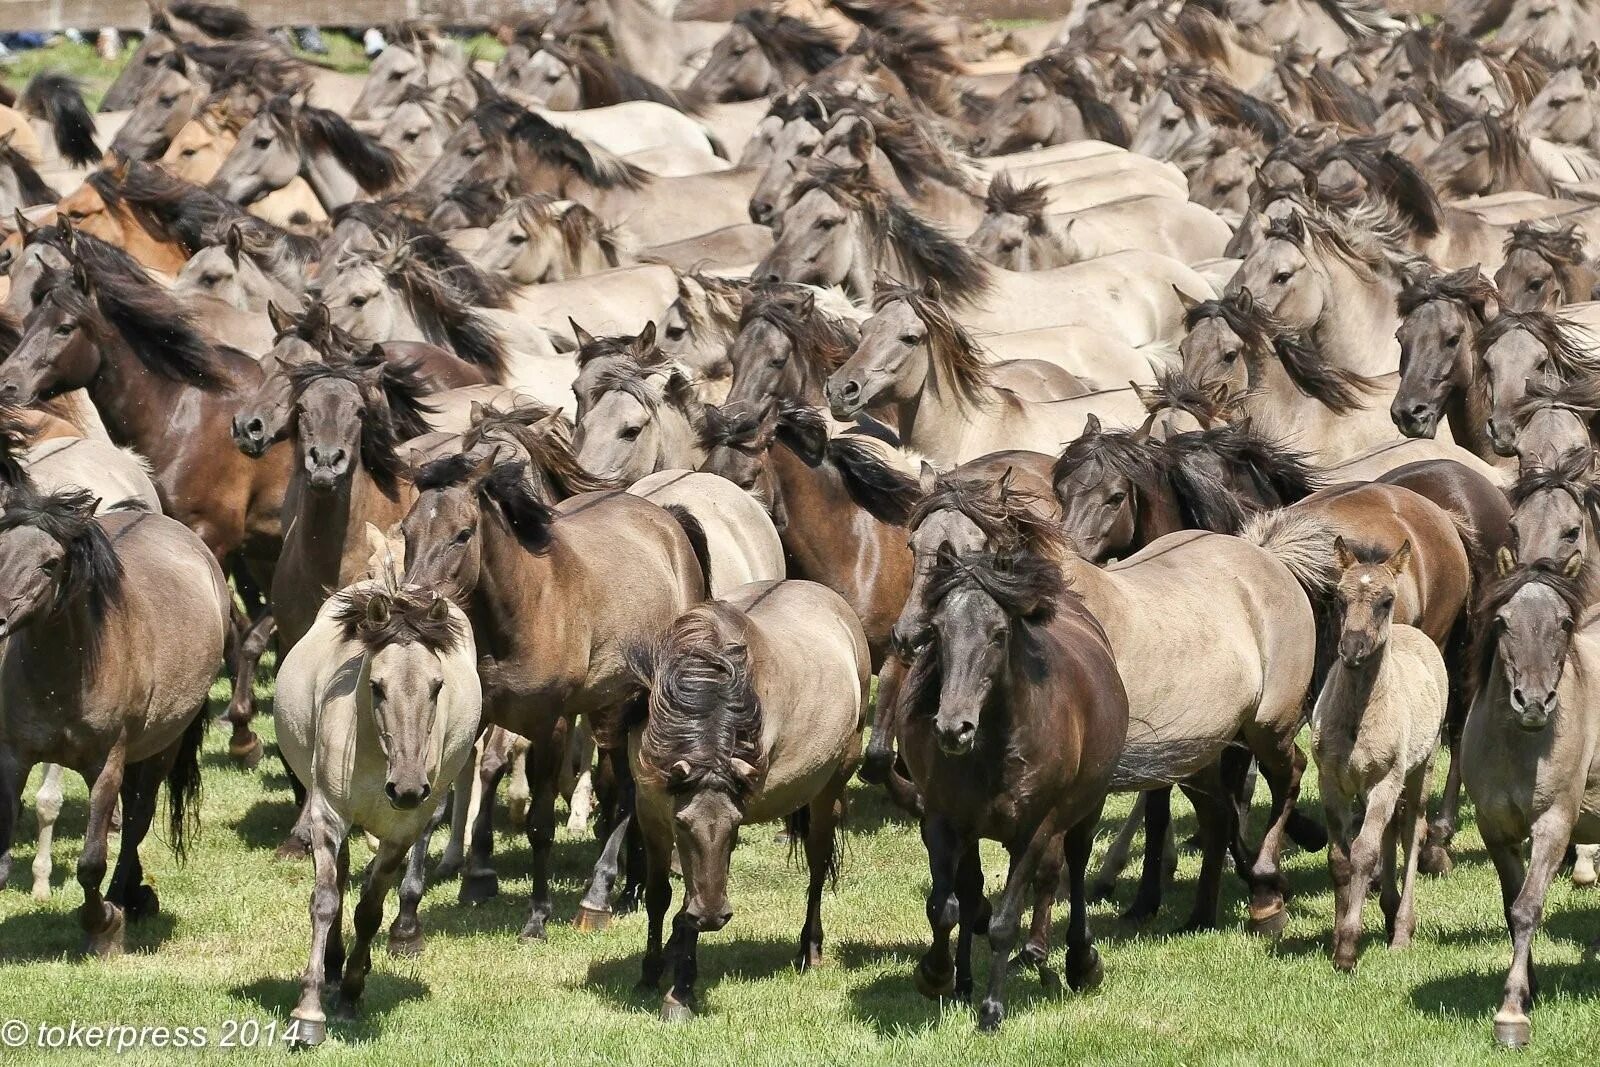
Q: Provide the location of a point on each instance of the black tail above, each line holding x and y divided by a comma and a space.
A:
697, 539
183, 788
797, 824
57, 98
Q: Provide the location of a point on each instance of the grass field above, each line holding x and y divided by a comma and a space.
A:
232, 938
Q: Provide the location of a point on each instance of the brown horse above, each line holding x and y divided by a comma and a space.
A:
555, 596
1441, 316
1015, 718
115, 632
167, 391
1545, 267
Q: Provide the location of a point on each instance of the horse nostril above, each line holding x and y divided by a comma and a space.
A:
760, 211
255, 428
1516, 694
770, 278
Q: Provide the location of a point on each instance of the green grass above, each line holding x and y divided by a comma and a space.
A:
79, 60
232, 939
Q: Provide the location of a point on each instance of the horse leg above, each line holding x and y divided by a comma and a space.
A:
878, 763
1550, 834
1215, 818
1046, 884
682, 952
1442, 830
1084, 969
327, 909
103, 923
455, 848
1413, 828
1116, 858
1157, 821
935, 975
580, 805
127, 889
519, 794
13, 776
47, 805
1282, 764
369, 916
244, 745
543, 761
594, 911
657, 898
479, 882
1584, 874
824, 815
1006, 920
975, 915
1366, 852
1340, 871
405, 933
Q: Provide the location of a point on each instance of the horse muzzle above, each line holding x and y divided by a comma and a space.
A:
1416, 420
845, 399
957, 739
1532, 714
250, 437
407, 797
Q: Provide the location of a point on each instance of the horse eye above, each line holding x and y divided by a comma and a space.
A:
263, 142
65, 329
396, 76
910, 339
167, 101
827, 224
377, 692
518, 238
1452, 341
1409, 129
1169, 123
473, 152
1230, 355
50, 566
552, 78
1228, 186
631, 433
1116, 499
189, 152
673, 333
1570, 533
1010, 246
410, 136
463, 536
1027, 99
1557, 104
1282, 277
1536, 284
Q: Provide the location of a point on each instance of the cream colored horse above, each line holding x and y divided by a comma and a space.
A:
377, 711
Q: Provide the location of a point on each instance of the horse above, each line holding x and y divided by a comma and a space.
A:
761, 53
555, 594
1564, 112
1416, 120
1520, 347
1017, 234
574, 76
1545, 267
116, 633
416, 129
844, 228
537, 239
289, 138
376, 710
1442, 316
107, 328
1049, 103
1552, 421
1303, 85
1373, 732
757, 703
1324, 27
787, 344
1186, 106
1488, 154
641, 419
1016, 665
411, 60
1528, 751
1255, 679
915, 361
645, 40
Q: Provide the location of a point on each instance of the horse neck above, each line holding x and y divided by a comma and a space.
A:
933, 420
681, 446
1156, 514
334, 185
647, 42
48, 655
1358, 323
1318, 32
1347, 695
1274, 400
413, 323
327, 533
514, 588
136, 406
149, 250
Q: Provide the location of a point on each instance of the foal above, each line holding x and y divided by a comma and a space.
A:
1373, 731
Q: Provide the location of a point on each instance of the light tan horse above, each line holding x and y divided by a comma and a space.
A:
757, 703
741, 543
377, 710
1373, 732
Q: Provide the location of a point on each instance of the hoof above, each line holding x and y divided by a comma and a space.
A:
1101, 892
1344, 964
41, 891
591, 920
674, 1011
292, 850
406, 946
931, 987
108, 942
532, 931
447, 868
1138, 913
1051, 981
1271, 924
306, 1033
248, 753
142, 903
1435, 860
980, 923
477, 888
1090, 977
576, 825
808, 959
991, 1013
1513, 1033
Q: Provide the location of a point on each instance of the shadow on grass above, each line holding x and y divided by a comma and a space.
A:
49, 935
616, 979
384, 992
1575, 923
891, 1005
1477, 995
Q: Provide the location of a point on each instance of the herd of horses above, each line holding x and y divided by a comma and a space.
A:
1123, 396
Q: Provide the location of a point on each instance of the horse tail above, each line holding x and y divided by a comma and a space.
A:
1301, 543
57, 98
797, 824
696, 534
183, 788
718, 149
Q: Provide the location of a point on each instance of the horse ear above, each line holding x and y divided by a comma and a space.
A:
234, 243
318, 321
439, 610
1504, 561
1574, 566
679, 772
645, 343
945, 556
583, 337
281, 320
1295, 225
1189, 303
1342, 554
747, 773
805, 304
1402, 556
386, 552
1147, 398
81, 278
1245, 300
933, 290
1142, 434
24, 227
475, 412
927, 478
5, 138
378, 610
1091, 426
